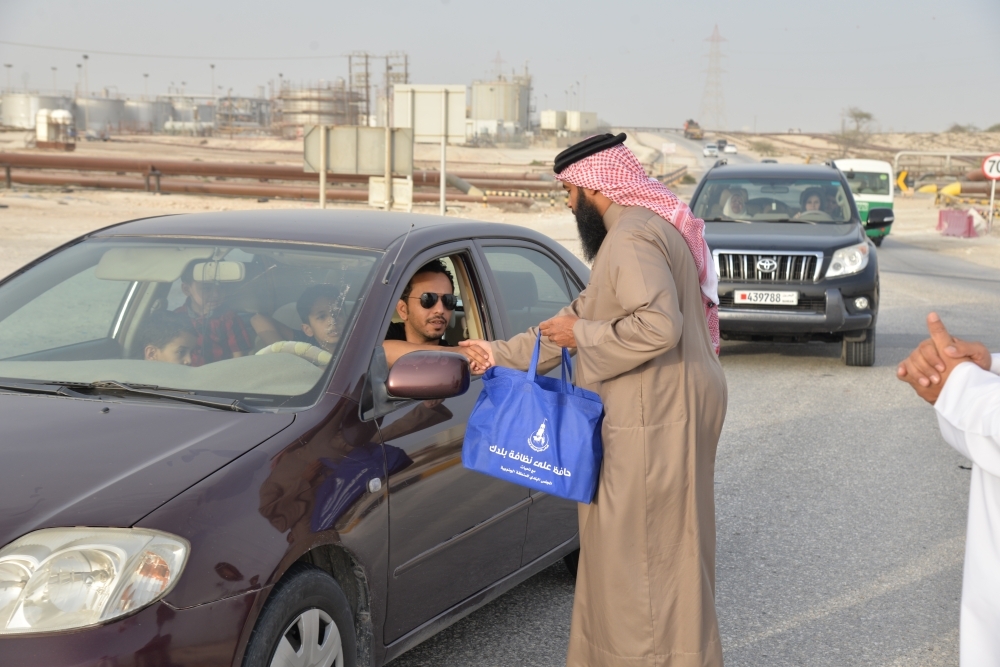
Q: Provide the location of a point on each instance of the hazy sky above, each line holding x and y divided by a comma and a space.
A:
916, 65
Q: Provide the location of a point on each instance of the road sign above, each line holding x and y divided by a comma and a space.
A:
991, 167
353, 149
991, 170
901, 181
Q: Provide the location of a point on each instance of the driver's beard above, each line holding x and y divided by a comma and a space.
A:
590, 224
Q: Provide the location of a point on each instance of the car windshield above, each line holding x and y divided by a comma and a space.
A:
868, 183
258, 323
773, 200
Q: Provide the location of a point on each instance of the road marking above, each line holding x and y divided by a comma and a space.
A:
938, 558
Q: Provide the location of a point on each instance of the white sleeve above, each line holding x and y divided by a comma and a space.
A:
969, 415
995, 368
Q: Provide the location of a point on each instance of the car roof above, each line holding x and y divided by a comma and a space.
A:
759, 170
358, 228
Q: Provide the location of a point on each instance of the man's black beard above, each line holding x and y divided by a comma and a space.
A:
590, 224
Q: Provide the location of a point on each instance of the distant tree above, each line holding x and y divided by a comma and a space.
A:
993, 128
862, 119
963, 129
858, 134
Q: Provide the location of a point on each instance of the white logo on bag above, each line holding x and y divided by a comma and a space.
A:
539, 440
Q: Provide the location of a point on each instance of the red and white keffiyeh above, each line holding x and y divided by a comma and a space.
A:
619, 176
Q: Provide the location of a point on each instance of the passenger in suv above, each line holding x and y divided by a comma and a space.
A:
796, 264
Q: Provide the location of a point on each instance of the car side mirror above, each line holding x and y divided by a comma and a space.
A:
427, 375
879, 218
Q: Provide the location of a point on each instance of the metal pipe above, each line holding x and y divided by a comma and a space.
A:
945, 154
322, 165
388, 152
287, 191
444, 147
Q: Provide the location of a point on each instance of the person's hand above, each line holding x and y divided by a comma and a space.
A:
559, 330
484, 346
479, 353
929, 366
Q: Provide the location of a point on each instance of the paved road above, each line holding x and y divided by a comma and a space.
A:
841, 512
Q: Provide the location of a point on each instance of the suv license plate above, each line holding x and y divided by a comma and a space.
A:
757, 297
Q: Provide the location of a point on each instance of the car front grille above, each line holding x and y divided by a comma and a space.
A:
807, 304
788, 268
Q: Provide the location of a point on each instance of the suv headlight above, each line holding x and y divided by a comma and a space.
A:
846, 261
68, 578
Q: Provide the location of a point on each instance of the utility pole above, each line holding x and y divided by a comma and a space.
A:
86, 95
55, 87
713, 106
444, 146
213, 81
145, 86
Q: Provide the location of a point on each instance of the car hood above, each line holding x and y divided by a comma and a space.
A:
66, 462
780, 236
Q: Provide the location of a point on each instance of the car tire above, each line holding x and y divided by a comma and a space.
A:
572, 561
860, 353
306, 622
878, 241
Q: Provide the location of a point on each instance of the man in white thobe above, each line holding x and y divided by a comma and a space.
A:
962, 381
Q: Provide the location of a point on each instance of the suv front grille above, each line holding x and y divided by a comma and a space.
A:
788, 268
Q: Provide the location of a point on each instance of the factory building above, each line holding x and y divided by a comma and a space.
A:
500, 109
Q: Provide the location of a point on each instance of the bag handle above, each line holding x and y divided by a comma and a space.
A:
567, 366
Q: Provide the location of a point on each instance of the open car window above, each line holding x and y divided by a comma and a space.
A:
102, 310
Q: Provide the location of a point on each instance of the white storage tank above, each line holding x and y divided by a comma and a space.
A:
146, 115
20, 109
551, 119
506, 101
99, 114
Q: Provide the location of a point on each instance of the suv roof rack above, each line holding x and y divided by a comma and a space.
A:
720, 162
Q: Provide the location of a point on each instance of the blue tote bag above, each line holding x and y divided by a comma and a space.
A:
537, 431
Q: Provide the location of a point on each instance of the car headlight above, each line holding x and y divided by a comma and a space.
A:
846, 261
67, 578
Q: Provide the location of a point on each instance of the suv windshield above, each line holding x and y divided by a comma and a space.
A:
868, 183
256, 323
772, 200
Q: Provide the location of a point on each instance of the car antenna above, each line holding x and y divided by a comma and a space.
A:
388, 272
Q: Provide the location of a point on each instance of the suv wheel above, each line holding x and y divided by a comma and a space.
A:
307, 622
878, 240
860, 353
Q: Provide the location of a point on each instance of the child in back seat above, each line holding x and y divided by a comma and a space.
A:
166, 336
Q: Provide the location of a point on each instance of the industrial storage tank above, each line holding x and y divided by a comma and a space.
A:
147, 115
99, 114
504, 101
20, 109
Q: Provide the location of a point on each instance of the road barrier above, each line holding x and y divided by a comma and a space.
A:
952, 222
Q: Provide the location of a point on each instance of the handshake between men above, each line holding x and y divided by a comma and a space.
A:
929, 366
559, 330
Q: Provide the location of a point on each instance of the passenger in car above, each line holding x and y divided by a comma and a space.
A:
426, 308
736, 206
166, 336
221, 335
321, 308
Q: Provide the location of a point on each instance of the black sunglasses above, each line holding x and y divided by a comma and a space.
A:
429, 299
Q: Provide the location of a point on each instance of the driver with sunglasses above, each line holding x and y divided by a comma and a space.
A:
426, 307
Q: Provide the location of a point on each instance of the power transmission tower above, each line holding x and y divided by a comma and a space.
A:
713, 106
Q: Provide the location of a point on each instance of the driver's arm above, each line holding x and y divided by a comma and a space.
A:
394, 349
270, 330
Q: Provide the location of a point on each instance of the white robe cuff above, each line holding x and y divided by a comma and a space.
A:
968, 411
995, 368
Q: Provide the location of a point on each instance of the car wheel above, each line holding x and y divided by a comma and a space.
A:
306, 622
878, 240
572, 561
860, 353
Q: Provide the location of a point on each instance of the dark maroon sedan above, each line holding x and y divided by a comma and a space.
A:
178, 488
